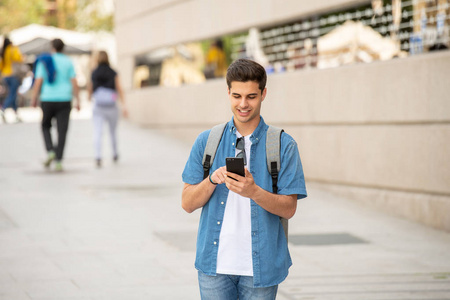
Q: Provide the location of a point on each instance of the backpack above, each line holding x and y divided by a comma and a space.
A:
273, 141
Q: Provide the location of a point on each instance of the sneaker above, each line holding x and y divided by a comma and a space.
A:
18, 119
58, 166
51, 156
98, 163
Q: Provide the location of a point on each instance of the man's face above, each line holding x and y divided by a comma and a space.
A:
245, 100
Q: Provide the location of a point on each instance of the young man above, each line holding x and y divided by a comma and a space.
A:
242, 251
56, 83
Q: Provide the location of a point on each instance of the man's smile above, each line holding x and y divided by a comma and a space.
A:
244, 111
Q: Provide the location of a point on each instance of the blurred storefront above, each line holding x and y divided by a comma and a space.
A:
366, 32
361, 85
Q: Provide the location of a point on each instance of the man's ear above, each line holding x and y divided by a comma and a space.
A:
263, 94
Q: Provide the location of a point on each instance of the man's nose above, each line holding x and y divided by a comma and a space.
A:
244, 102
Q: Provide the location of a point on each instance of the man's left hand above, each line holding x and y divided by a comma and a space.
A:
244, 186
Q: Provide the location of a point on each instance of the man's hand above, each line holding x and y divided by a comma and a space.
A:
195, 196
280, 205
219, 175
34, 101
244, 186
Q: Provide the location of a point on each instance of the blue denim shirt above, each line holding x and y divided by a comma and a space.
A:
271, 258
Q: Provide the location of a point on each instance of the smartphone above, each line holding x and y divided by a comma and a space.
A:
235, 165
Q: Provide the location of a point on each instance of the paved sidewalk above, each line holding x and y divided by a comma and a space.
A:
119, 232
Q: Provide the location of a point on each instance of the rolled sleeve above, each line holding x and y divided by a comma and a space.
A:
291, 178
193, 170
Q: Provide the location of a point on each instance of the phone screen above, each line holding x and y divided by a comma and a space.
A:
235, 165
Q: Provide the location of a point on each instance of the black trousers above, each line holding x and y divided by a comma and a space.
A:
61, 112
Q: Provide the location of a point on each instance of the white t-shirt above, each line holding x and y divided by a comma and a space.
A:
235, 242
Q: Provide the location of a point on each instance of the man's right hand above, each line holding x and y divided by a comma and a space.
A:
219, 175
197, 195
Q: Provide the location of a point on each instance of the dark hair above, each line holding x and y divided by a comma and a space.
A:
219, 44
58, 45
6, 43
244, 70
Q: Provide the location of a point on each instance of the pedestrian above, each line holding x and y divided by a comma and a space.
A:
242, 252
216, 64
56, 84
10, 56
105, 89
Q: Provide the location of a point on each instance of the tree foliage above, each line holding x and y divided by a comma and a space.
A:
81, 15
92, 16
18, 13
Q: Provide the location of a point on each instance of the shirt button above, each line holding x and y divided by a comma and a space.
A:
232, 144
218, 223
215, 243
222, 203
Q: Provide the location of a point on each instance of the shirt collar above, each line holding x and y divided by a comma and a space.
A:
256, 135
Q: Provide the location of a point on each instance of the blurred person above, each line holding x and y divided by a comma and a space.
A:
216, 64
105, 88
55, 82
242, 251
253, 47
10, 57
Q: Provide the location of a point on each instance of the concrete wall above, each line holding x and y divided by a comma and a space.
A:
378, 133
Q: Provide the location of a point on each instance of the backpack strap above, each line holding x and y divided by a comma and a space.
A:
273, 144
211, 147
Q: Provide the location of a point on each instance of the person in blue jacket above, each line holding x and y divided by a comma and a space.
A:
56, 85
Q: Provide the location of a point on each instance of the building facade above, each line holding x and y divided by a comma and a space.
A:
358, 84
